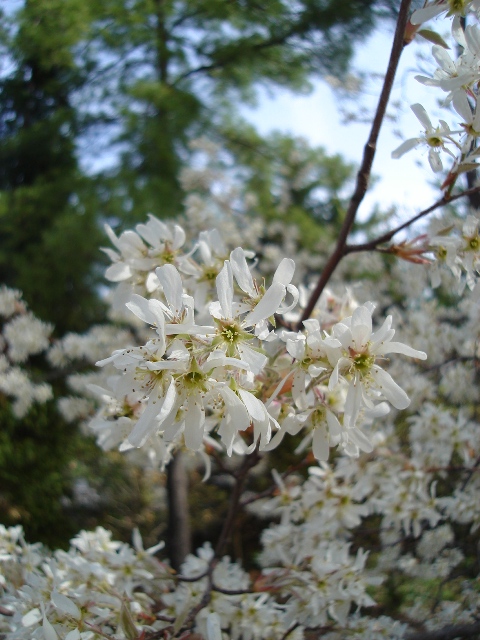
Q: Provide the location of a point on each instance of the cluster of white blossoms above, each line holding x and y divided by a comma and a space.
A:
22, 335
458, 80
216, 358
214, 367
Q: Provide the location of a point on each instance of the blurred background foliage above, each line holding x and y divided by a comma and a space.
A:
98, 104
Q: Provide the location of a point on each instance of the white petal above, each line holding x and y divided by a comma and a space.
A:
32, 617
296, 348
443, 59
236, 409
254, 406
49, 632
214, 631
241, 271
389, 388
118, 272
422, 115
139, 306
194, 423
353, 403
361, 326
435, 160
155, 413
399, 347
422, 15
320, 446
462, 106
285, 271
255, 360
294, 292
66, 605
360, 440
178, 237
268, 305
171, 282
225, 290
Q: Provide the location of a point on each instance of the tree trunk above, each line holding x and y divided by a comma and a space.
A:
178, 532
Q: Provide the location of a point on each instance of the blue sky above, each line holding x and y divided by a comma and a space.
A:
403, 182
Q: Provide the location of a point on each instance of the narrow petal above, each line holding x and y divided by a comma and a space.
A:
139, 306
422, 115
254, 406
389, 388
241, 271
285, 271
435, 161
405, 147
360, 440
422, 15
320, 446
268, 305
194, 423
171, 282
65, 605
225, 290
462, 106
353, 403
178, 237
118, 272
255, 360
155, 412
399, 347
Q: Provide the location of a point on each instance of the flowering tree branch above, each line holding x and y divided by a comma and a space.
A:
363, 175
386, 237
447, 633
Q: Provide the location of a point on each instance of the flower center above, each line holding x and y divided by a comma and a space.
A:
473, 244
434, 141
363, 362
456, 6
230, 333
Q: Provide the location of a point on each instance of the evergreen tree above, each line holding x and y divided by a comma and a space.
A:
49, 229
173, 70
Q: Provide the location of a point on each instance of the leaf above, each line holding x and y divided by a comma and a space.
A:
465, 167
434, 37
127, 623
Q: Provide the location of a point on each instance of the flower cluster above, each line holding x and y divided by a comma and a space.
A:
215, 368
22, 335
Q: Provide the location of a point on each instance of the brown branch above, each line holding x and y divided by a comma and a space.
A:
363, 175
435, 367
227, 529
447, 633
193, 578
470, 474
386, 237
290, 630
231, 592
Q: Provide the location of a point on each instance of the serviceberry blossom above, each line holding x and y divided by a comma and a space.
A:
191, 382
435, 138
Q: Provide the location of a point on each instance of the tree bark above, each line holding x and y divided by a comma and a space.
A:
178, 532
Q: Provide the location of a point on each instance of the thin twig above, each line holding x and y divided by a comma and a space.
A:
470, 474
386, 237
363, 175
231, 592
194, 578
290, 630
435, 367
248, 463
447, 633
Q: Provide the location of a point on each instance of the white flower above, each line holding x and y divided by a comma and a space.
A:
434, 138
356, 362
